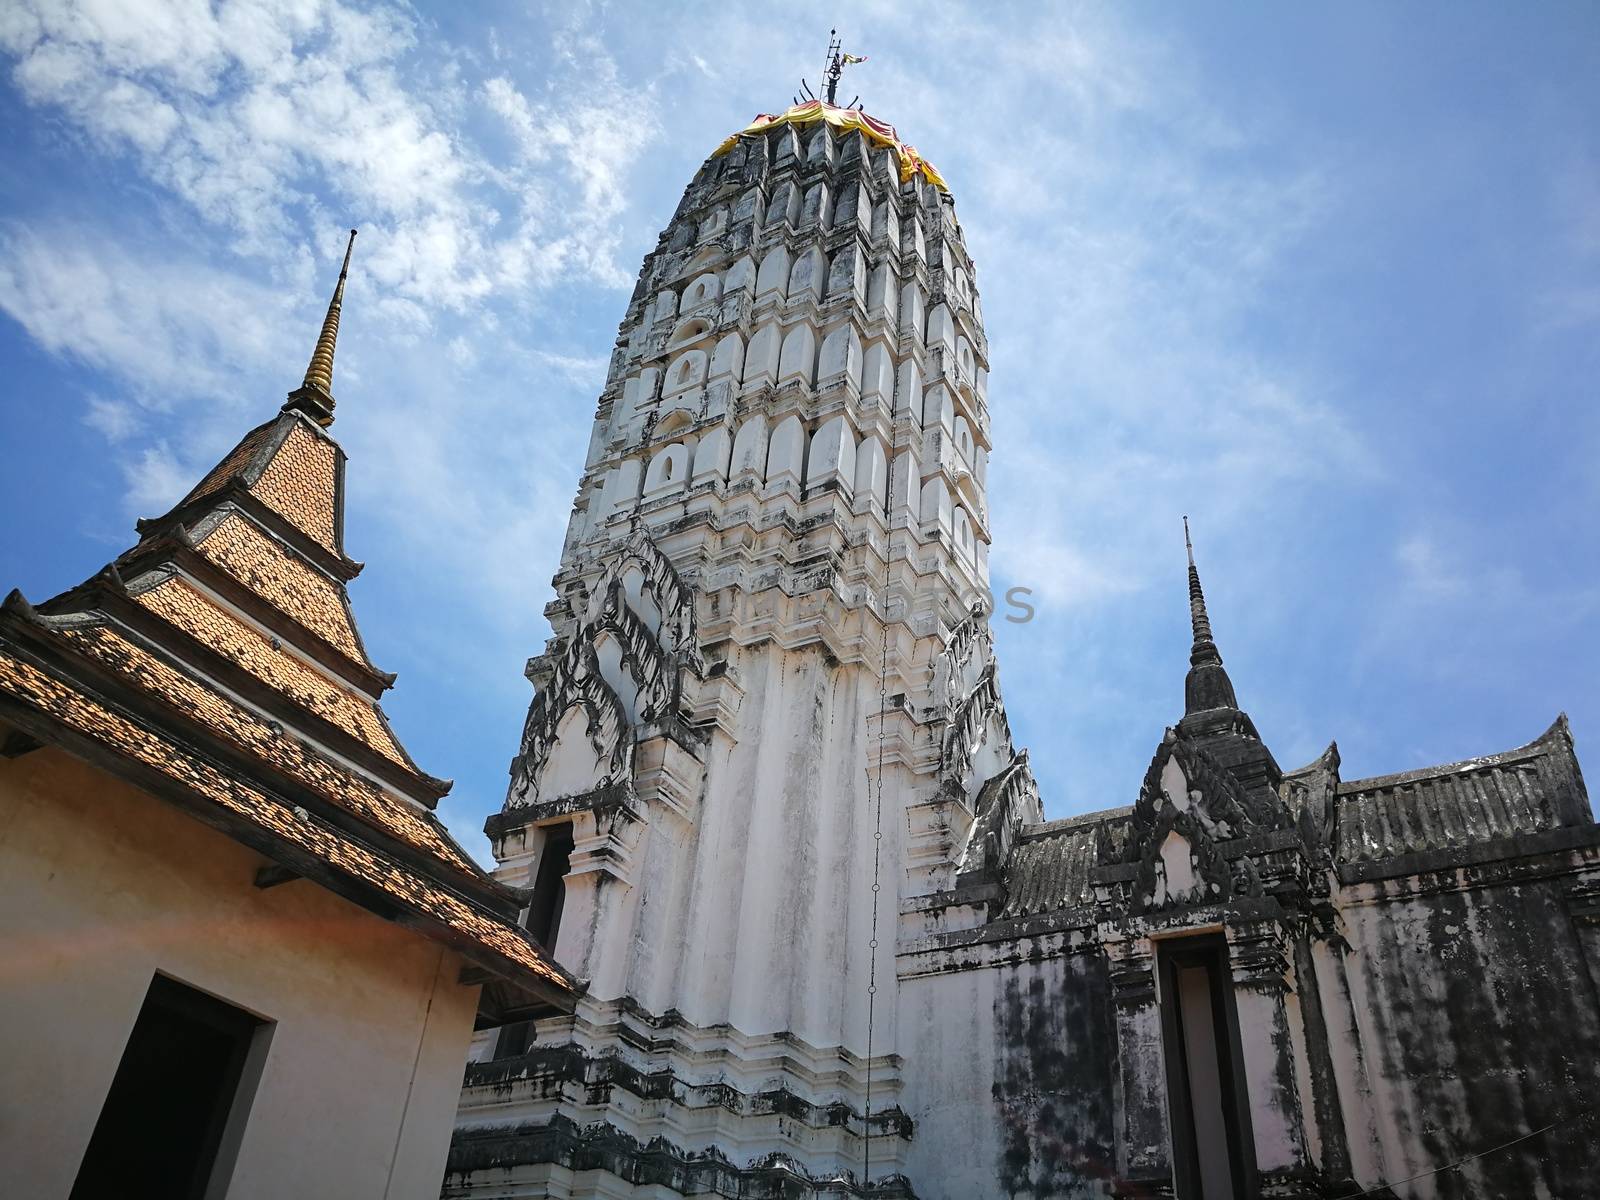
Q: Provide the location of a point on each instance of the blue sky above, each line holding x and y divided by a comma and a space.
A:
1325, 278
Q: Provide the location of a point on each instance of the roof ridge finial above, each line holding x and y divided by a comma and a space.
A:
832, 68
1207, 686
314, 396
1205, 649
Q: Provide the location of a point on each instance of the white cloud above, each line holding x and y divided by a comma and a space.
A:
116, 420
175, 331
260, 115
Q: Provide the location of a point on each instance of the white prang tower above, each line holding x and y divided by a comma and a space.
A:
769, 719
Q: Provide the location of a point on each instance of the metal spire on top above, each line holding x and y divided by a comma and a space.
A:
832, 69
314, 396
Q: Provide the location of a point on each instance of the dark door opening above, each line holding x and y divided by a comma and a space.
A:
164, 1119
1205, 1098
549, 885
545, 902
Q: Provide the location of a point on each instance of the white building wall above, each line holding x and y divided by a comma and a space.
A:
102, 886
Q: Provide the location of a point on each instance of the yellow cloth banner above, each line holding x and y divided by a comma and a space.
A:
877, 132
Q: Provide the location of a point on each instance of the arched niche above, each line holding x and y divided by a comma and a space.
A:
707, 289
965, 367
572, 765
622, 487
872, 472
741, 276
688, 332
816, 208
964, 537
711, 456
774, 273
877, 375
841, 355
686, 371
668, 472
908, 392
798, 360
936, 507
784, 206
911, 308
820, 148
807, 275
611, 655
881, 294
938, 411
963, 440
761, 357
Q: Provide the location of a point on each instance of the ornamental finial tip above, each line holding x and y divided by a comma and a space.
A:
314, 396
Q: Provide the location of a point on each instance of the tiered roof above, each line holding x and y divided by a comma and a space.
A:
217, 664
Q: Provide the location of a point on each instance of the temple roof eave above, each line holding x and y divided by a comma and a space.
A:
45, 693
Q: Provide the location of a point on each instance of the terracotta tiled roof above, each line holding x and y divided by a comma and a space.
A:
235, 462
316, 601
286, 827
298, 482
221, 652
255, 735
180, 602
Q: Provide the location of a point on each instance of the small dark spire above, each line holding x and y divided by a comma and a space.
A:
1207, 686
314, 396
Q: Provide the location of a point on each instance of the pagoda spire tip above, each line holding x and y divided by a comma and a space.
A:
314, 396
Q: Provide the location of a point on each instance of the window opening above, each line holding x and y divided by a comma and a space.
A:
165, 1128
544, 920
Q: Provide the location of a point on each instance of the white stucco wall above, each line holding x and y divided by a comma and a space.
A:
102, 885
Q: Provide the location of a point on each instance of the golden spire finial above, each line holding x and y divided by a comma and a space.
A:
314, 396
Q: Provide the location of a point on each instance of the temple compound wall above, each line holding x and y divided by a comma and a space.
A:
767, 808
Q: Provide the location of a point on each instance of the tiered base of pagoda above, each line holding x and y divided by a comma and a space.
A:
614, 1101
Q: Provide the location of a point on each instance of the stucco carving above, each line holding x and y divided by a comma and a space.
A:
576, 682
1007, 802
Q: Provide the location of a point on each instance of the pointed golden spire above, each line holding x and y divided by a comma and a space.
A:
314, 396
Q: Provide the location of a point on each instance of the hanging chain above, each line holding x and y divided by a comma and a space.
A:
877, 876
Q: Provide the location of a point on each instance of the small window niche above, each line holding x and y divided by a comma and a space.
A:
549, 885
1206, 1101
545, 901
175, 1116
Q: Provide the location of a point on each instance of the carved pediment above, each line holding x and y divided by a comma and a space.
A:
969, 650
653, 672
1188, 805
576, 684
622, 667
1006, 802
656, 595
978, 722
